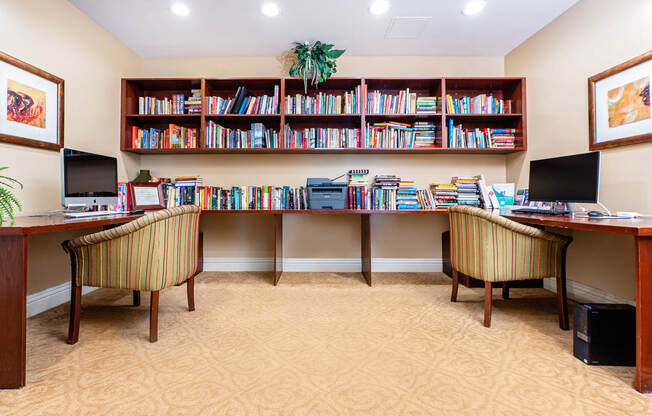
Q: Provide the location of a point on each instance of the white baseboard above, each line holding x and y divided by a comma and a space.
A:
51, 297
586, 294
262, 264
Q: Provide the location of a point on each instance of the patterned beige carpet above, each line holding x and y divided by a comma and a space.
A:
318, 344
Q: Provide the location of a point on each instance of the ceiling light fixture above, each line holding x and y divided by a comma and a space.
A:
379, 7
180, 9
474, 7
270, 9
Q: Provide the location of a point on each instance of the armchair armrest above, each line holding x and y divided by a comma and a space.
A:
130, 227
513, 225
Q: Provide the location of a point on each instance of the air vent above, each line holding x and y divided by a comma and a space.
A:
407, 27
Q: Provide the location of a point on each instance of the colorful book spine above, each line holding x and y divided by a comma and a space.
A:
173, 137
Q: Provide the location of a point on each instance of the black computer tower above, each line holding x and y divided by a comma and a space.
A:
605, 334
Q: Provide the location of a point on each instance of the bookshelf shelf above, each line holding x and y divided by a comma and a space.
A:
160, 116
322, 115
242, 115
512, 89
451, 115
408, 115
435, 150
325, 211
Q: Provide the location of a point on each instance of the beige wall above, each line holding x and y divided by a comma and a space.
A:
321, 236
55, 36
592, 36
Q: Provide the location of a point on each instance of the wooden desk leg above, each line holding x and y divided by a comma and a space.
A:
13, 300
644, 314
365, 246
278, 247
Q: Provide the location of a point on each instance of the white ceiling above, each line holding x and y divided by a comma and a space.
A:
238, 28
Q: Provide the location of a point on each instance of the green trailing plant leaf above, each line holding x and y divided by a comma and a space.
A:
314, 62
8, 201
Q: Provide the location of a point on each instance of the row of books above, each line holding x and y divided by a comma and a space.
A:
471, 190
388, 192
393, 134
358, 197
153, 105
174, 137
193, 104
123, 198
321, 138
219, 137
323, 103
468, 191
428, 104
244, 103
480, 104
176, 104
382, 103
463, 138
238, 197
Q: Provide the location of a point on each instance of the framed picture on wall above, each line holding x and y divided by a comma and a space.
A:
146, 195
31, 108
619, 104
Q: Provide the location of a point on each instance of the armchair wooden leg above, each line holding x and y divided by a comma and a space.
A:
191, 293
456, 281
487, 304
153, 317
136, 298
75, 311
505, 290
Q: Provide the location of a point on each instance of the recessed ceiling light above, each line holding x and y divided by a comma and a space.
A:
474, 7
379, 7
180, 9
270, 9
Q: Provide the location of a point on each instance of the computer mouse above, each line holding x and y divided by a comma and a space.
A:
595, 214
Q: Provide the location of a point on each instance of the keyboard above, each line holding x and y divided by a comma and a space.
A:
533, 210
86, 214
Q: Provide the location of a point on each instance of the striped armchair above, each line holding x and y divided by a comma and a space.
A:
154, 252
494, 249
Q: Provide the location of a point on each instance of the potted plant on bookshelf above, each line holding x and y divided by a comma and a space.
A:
8, 201
315, 62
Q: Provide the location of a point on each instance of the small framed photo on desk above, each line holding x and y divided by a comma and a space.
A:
146, 195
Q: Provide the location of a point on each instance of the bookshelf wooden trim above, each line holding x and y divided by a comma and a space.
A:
283, 150
514, 85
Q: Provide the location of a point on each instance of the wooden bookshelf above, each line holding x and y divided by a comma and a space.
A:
513, 89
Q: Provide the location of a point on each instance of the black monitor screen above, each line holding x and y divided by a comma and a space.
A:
566, 179
89, 175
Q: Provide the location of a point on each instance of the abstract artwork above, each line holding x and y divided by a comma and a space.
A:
25, 104
629, 103
619, 104
31, 114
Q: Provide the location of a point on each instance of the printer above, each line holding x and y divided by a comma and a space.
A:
323, 193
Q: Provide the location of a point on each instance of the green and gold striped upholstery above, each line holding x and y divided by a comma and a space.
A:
155, 251
492, 248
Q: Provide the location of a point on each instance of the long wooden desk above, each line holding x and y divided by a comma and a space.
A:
13, 271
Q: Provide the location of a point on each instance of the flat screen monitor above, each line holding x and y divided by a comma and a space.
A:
566, 179
88, 178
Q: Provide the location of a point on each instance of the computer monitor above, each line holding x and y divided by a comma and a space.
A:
565, 179
88, 179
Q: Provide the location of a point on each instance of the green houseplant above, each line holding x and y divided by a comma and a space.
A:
8, 201
314, 62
